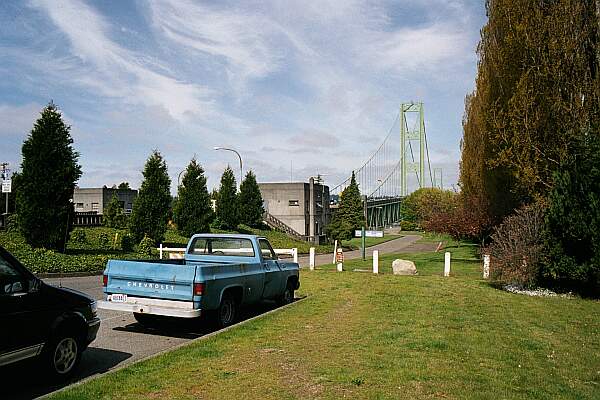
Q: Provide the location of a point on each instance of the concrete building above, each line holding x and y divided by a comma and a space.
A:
94, 200
304, 207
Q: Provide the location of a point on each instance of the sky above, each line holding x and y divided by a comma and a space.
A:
299, 88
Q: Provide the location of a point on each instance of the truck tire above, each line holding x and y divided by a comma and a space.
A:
226, 313
287, 297
62, 354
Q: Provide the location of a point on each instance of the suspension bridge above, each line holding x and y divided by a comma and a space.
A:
395, 169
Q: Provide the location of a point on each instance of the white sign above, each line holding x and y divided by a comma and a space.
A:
7, 186
358, 233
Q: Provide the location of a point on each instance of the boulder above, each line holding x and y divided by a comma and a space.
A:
404, 267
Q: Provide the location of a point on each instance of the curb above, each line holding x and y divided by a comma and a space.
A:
47, 275
188, 343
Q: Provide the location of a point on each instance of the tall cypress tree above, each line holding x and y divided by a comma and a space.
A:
251, 202
227, 201
193, 212
151, 207
350, 214
46, 183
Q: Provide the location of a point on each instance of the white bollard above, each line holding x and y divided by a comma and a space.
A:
375, 261
295, 254
339, 258
160, 251
311, 259
486, 266
334, 251
447, 264
340, 267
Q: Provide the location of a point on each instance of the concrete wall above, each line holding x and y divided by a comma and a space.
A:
96, 199
290, 202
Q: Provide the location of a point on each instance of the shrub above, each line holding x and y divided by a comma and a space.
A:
103, 241
12, 223
126, 243
145, 247
573, 221
79, 236
421, 204
408, 226
517, 247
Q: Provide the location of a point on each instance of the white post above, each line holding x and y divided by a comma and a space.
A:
311, 259
375, 261
160, 251
295, 254
334, 251
447, 264
486, 266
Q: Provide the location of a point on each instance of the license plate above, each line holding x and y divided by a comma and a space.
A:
119, 298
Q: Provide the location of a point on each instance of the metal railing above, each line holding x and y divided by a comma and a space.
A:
279, 225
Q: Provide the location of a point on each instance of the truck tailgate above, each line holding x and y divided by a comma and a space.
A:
154, 280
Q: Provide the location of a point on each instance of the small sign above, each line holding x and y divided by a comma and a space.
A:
7, 186
339, 256
379, 234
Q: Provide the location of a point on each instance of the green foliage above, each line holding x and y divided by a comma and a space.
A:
350, 214
422, 204
536, 92
408, 226
79, 236
123, 186
192, 212
103, 241
145, 247
12, 223
573, 221
113, 215
126, 243
227, 208
151, 208
49, 171
250, 202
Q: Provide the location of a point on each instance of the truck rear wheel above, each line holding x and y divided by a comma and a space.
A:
227, 311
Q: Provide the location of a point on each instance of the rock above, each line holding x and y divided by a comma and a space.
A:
404, 267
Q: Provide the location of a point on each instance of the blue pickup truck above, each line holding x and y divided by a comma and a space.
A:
219, 273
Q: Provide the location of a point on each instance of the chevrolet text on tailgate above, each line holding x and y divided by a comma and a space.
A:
220, 272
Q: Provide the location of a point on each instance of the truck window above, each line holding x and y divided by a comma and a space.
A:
266, 250
222, 246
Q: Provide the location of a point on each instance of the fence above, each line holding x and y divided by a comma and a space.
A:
178, 252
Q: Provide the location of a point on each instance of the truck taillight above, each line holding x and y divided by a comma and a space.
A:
198, 289
104, 280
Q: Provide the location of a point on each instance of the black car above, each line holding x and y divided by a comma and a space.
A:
38, 320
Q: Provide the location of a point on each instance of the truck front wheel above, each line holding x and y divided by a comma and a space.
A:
227, 311
287, 297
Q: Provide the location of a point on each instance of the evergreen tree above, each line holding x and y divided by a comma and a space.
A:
573, 221
227, 201
49, 171
124, 185
350, 214
192, 212
113, 216
151, 207
251, 202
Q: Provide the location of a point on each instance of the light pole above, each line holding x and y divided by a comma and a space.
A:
239, 156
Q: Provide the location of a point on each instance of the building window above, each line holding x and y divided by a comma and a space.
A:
79, 205
95, 207
294, 203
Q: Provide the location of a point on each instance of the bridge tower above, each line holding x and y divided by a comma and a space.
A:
408, 135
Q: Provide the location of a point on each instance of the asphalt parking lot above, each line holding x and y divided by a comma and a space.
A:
120, 341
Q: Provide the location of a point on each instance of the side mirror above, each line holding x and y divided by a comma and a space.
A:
12, 288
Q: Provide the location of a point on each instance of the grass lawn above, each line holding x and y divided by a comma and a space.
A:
358, 335
355, 243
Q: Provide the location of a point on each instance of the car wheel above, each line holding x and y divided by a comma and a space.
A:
227, 311
287, 297
63, 354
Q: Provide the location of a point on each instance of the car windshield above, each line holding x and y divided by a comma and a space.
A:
222, 246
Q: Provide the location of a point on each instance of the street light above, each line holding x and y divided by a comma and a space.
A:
239, 156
